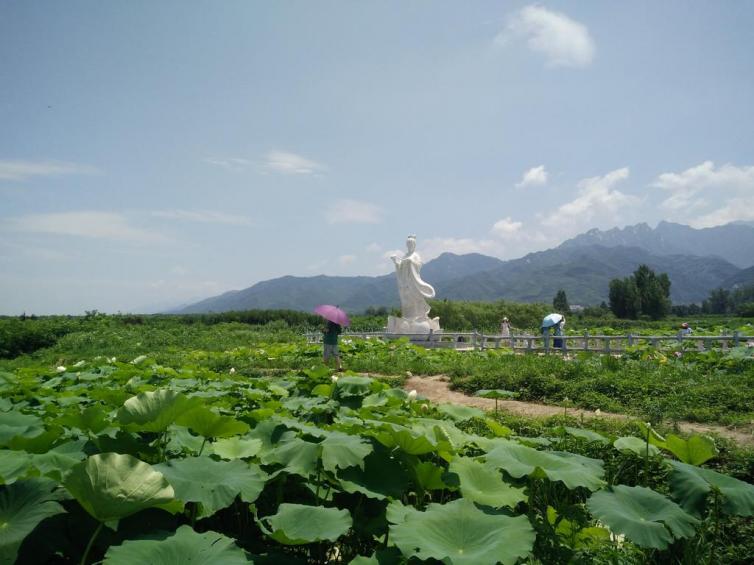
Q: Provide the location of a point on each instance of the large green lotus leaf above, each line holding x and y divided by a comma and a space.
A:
645, 517
429, 476
353, 386
694, 451
297, 456
387, 556
155, 411
340, 451
208, 424
236, 447
111, 486
23, 505
442, 431
298, 524
483, 484
460, 413
382, 477
91, 419
14, 424
638, 446
37, 444
213, 484
271, 432
13, 464
581, 433
57, 462
183, 441
691, 485
397, 512
459, 533
184, 546
495, 393
413, 443
572, 470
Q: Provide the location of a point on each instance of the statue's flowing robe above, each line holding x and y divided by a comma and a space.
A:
411, 288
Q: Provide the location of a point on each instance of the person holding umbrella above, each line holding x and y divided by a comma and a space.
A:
552, 321
335, 319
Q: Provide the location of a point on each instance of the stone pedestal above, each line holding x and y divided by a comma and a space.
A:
396, 325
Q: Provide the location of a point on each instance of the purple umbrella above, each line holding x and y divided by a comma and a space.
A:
333, 314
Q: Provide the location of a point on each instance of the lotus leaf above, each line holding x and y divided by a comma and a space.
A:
111, 486
694, 451
14, 424
23, 505
298, 524
429, 476
213, 484
410, 441
484, 485
208, 424
340, 451
573, 470
382, 477
459, 533
236, 447
581, 433
495, 393
90, 419
155, 411
57, 462
183, 546
645, 517
691, 485
638, 446
353, 386
460, 413
13, 464
297, 456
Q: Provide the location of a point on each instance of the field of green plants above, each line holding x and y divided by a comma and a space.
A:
168, 442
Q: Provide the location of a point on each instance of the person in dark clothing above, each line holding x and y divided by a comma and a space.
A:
330, 342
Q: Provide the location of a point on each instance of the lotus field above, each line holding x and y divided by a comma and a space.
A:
259, 454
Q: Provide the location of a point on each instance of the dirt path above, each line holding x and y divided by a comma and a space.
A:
437, 389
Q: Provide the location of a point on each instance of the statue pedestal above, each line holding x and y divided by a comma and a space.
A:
397, 325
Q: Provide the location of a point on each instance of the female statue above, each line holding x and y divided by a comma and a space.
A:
411, 288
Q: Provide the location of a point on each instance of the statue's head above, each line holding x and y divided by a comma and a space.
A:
411, 243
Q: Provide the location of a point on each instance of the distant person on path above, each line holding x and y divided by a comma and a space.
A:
685, 330
331, 332
557, 343
505, 330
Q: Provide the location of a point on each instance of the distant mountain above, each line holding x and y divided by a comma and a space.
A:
733, 242
584, 272
351, 293
741, 278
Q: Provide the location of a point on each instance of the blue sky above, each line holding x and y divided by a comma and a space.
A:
154, 153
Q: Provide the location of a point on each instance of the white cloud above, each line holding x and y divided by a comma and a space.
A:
563, 41
346, 259
231, 163
374, 248
689, 193
506, 227
536, 176
288, 163
597, 203
91, 224
203, 216
24, 170
433, 247
353, 212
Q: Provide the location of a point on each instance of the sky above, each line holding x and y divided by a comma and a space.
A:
154, 153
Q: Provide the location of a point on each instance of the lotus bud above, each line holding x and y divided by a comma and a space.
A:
424, 407
232, 371
139, 359
334, 378
409, 374
60, 369
80, 364
412, 395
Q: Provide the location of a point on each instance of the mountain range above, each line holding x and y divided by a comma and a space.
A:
696, 261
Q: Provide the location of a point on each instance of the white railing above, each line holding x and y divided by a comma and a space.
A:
538, 343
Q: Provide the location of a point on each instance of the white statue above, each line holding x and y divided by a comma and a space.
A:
414, 293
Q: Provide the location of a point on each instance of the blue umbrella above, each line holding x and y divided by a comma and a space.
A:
551, 320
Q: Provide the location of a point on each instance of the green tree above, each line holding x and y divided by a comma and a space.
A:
643, 293
719, 301
560, 302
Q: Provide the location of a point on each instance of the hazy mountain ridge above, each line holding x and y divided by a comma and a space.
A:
582, 266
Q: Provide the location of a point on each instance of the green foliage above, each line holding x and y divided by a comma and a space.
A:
560, 302
643, 293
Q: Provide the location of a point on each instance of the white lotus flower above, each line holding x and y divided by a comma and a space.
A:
139, 359
424, 407
598, 412
232, 371
409, 374
412, 395
60, 369
334, 378
80, 364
